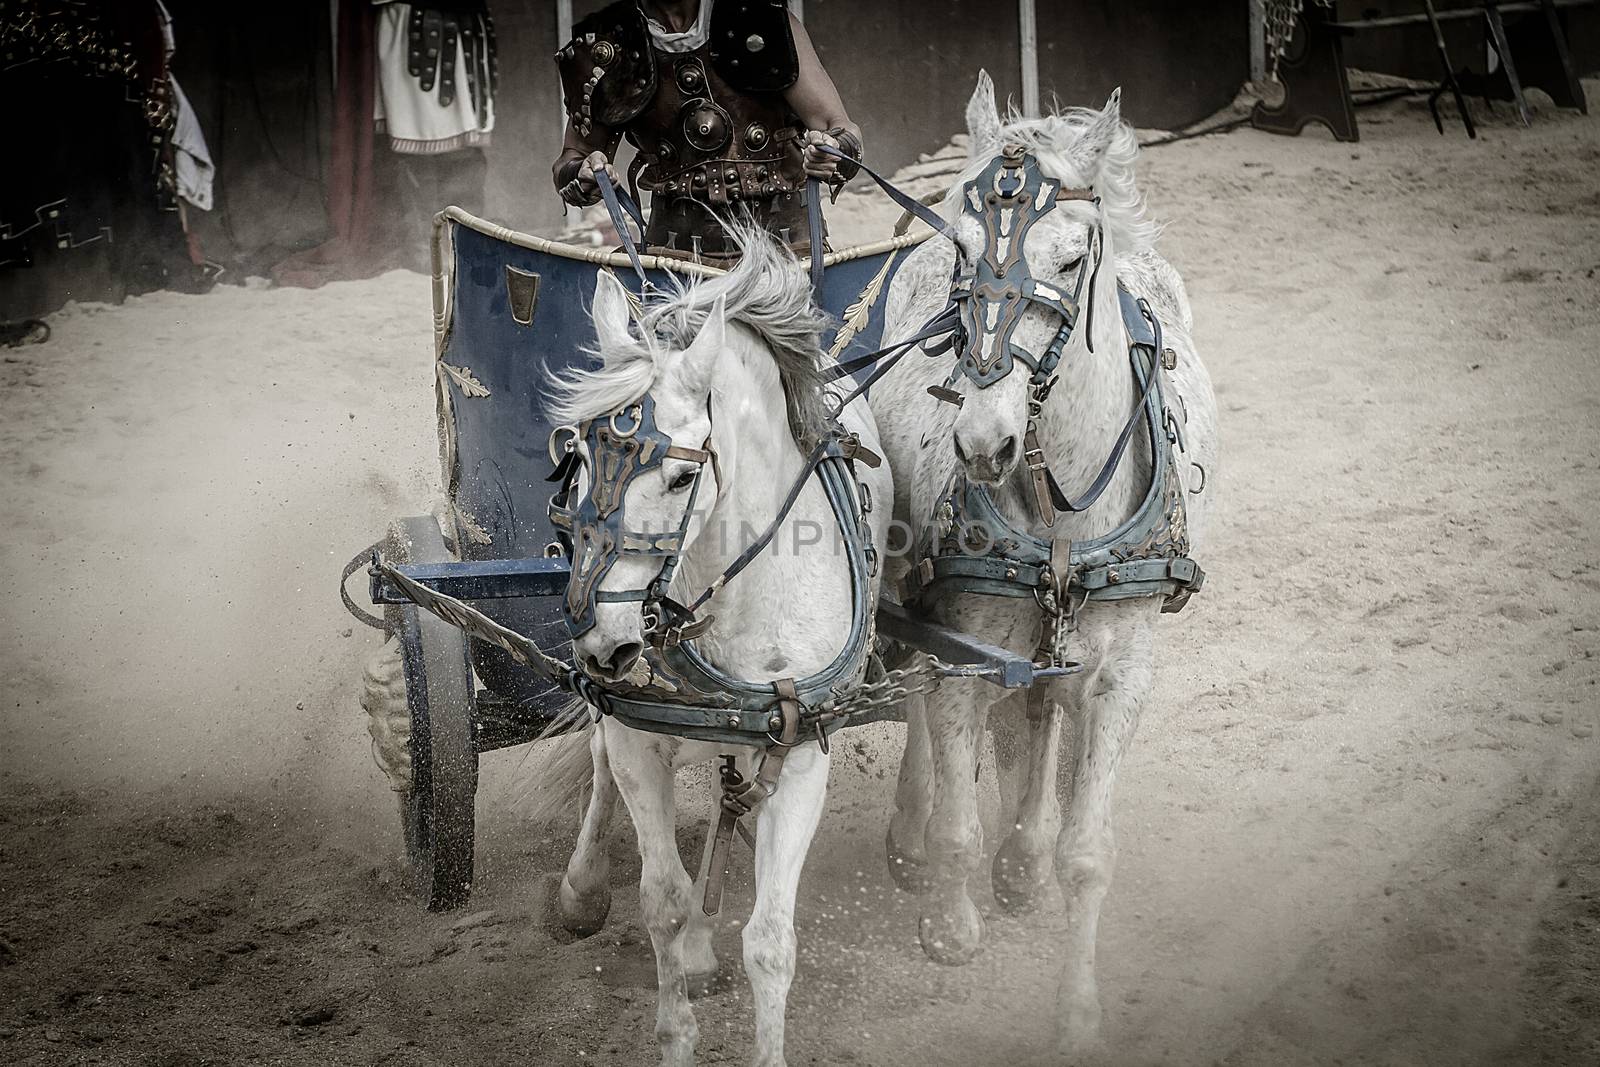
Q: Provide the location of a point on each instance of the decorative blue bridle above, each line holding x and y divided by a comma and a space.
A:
994, 290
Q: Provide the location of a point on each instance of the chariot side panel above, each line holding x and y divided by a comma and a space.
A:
515, 317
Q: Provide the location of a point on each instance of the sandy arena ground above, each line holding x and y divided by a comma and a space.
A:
1358, 825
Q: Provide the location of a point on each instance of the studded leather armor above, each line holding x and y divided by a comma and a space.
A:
713, 132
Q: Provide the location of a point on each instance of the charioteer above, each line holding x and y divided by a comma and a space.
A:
727, 105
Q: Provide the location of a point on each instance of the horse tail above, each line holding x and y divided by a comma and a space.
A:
561, 769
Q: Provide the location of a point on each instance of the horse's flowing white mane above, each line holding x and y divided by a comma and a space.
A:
1052, 139
767, 292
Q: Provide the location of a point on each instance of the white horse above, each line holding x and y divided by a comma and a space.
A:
732, 362
935, 839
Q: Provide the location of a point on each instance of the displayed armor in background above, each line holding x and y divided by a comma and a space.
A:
713, 130
432, 35
437, 76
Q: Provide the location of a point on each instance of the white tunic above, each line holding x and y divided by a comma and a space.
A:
416, 122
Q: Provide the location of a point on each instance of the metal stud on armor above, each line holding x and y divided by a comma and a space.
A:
705, 126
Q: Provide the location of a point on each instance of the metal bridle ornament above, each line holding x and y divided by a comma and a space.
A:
996, 289
622, 447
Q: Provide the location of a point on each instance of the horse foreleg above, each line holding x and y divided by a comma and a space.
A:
644, 778
585, 894
1103, 725
1021, 868
908, 859
1010, 772
785, 823
951, 927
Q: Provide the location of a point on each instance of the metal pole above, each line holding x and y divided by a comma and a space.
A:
1258, 41
799, 9
1028, 26
563, 35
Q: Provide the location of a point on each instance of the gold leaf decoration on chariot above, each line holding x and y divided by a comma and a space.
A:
858, 314
462, 376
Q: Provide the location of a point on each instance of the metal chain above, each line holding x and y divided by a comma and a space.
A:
919, 679
1062, 624
1278, 19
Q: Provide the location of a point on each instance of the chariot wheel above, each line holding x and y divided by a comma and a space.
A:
437, 811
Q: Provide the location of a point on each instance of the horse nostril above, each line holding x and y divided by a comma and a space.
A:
961, 453
1007, 454
623, 657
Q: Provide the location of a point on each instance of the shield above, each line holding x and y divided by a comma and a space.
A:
510, 311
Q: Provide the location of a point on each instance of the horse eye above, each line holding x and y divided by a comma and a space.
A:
1072, 264
682, 481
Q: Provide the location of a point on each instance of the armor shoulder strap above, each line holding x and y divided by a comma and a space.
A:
752, 46
608, 70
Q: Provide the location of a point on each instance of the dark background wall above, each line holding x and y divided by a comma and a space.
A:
1177, 61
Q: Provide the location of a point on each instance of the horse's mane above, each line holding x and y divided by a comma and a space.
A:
767, 292
1050, 139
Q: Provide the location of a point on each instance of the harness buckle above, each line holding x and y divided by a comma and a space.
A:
851, 448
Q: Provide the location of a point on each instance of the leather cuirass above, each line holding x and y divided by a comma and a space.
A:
715, 136
709, 150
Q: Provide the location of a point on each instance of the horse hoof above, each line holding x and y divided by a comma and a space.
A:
952, 937
1019, 879
908, 872
1078, 1036
582, 916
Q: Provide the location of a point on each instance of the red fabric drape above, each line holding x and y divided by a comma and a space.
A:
351, 178
350, 169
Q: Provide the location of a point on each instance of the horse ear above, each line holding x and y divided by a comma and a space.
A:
983, 119
611, 310
1091, 147
700, 359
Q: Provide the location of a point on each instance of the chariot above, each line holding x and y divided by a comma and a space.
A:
509, 310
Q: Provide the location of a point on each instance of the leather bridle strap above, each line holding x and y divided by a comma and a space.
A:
824, 449
1103, 479
926, 334
903, 199
615, 200
1109, 469
814, 224
941, 323
701, 456
740, 798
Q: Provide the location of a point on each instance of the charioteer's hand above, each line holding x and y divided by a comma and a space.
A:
582, 189
596, 161
819, 164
